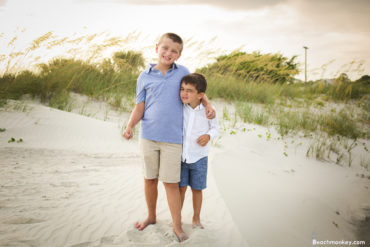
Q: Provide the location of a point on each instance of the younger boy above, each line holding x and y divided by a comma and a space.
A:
197, 131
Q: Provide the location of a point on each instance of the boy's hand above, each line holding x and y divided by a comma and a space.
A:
128, 134
210, 111
203, 139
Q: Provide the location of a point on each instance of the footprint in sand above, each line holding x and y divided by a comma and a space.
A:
23, 220
151, 236
20, 243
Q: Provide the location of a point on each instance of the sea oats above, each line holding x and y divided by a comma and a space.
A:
56, 42
37, 42
11, 43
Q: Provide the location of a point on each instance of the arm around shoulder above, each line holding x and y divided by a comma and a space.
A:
210, 111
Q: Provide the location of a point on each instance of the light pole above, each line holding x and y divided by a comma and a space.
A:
305, 63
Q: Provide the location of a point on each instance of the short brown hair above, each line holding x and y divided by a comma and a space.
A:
197, 80
174, 37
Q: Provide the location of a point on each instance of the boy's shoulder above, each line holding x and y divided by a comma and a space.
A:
182, 67
176, 66
146, 72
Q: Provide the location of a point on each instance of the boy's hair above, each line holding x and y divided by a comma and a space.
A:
197, 80
174, 37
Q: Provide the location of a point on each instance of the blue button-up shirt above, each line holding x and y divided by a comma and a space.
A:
162, 120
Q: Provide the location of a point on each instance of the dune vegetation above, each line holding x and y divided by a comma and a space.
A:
262, 87
286, 102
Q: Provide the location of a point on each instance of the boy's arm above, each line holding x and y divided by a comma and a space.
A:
214, 129
210, 111
136, 115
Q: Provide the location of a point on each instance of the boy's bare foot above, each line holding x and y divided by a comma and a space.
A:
141, 225
181, 236
197, 224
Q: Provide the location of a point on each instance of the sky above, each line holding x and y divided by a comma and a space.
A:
336, 32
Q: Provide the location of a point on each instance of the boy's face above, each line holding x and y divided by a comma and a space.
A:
168, 51
190, 95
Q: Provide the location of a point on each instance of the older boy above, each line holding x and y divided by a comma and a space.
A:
159, 107
197, 132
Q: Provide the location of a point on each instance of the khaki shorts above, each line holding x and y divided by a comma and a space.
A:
162, 160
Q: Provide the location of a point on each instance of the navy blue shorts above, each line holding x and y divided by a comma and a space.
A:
194, 174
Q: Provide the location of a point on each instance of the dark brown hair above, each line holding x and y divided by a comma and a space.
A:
197, 80
174, 37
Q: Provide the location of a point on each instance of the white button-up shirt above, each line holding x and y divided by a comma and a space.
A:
196, 124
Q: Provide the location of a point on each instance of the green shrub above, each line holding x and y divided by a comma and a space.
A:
254, 67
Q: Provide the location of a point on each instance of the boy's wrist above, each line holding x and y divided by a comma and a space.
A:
209, 137
205, 103
129, 126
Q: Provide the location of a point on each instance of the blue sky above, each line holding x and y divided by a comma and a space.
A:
332, 29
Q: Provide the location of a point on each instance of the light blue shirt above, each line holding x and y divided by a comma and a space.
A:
162, 120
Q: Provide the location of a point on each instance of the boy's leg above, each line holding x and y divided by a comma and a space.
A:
182, 194
197, 205
169, 173
150, 151
184, 181
198, 182
151, 194
174, 203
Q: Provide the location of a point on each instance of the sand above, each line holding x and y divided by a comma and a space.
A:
279, 200
74, 181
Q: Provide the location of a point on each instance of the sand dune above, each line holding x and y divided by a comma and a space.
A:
74, 181
288, 200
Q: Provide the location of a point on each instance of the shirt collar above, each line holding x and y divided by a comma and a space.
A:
150, 67
197, 108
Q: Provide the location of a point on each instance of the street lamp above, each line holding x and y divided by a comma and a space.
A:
305, 63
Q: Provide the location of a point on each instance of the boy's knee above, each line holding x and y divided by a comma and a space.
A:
151, 181
196, 191
171, 185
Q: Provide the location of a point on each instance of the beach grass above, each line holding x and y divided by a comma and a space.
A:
262, 86
55, 80
82, 69
290, 121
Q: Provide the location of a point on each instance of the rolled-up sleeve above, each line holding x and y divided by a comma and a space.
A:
214, 128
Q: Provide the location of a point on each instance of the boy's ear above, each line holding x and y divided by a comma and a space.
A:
201, 95
179, 56
156, 48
